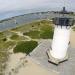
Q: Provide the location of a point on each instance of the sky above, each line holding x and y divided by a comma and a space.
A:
14, 5
8, 5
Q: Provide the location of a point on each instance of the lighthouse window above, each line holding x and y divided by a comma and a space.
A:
67, 22
63, 21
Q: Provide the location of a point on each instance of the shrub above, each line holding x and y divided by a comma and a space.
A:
4, 39
25, 46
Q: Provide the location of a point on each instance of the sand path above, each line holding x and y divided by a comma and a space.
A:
19, 64
72, 39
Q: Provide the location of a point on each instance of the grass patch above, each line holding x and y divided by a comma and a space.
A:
46, 32
2, 40
40, 29
3, 59
25, 46
6, 45
32, 34
8, 33
17, 37
32, 26
2, 35
9, 44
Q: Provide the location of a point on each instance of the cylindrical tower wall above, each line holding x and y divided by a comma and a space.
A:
60, 42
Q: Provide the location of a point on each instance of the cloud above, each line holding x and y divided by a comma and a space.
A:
19, 4
11, 5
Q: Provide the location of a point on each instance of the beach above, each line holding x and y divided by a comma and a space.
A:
72, 39
19, 64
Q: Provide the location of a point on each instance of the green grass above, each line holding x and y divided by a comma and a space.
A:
32, 26
17, 37
3, 39
25, 46
46, 32
2, 35
32, 34
3, 59
8, 33
9, 44
41, 29
6, 45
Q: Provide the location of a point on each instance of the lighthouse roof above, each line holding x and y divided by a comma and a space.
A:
63, 21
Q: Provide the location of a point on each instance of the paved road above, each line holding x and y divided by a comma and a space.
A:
65, 68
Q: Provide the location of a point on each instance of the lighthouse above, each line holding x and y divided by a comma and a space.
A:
61, 38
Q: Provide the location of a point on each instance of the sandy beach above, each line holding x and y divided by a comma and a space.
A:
34, 69
19, 64
72, 39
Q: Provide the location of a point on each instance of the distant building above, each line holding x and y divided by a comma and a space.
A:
65, 12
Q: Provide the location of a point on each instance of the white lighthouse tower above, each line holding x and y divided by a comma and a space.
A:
61, 38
